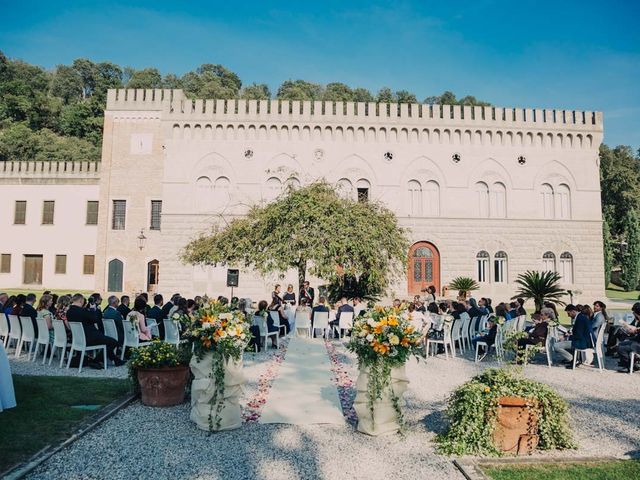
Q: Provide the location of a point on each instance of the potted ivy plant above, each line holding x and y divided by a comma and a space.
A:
160, 371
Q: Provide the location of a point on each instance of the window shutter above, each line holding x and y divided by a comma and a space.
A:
20, 215
61, 264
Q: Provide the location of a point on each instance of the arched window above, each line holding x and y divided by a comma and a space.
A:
547, 200
221, 192
204, 189
415, 198
498, 201
345, 188
433, 198
549, 262
482, 197
566, 268
500, 267
273, 188
363, 187
482, 262
563, 202
293, 183
115, 275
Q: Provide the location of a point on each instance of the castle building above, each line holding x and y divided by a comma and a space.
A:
485, 192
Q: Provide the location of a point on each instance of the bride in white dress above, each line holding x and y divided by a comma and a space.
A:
7, 395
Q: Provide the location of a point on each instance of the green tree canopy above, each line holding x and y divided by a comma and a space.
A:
256, 91
299, 90
146, 78
631, 258
322, 234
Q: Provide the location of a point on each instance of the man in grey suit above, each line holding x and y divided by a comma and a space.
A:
112, 312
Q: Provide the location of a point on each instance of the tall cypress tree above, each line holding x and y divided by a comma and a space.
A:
631, 258
608, 253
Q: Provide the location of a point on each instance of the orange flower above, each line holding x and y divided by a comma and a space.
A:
380, 347
206, 342
409, 329
377, 329
404, 342
393, 321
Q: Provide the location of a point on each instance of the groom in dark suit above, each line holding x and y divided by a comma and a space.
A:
307, 293
29, 311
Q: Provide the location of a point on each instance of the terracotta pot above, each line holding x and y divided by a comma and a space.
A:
163, 387
516, 429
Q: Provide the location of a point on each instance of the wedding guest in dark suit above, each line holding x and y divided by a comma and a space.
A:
93, 305
155, 313
28, 311
344, 308
580, 337
321, 307
166, 309
308, 293
123, 308
93, 336
111, 312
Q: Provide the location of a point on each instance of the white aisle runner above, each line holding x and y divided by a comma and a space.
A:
304, 391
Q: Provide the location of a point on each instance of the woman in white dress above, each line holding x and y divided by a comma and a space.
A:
7, 395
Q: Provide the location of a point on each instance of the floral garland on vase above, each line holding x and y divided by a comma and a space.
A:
215, 329
383, 339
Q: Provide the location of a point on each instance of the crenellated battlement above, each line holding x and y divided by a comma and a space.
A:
49, 169
176, 107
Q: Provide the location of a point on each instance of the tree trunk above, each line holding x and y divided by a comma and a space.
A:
302, 273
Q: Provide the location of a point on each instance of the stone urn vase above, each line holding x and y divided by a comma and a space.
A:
223, 413
516, 430
384, 418
163, 387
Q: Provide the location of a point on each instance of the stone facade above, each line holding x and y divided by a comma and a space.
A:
490, 192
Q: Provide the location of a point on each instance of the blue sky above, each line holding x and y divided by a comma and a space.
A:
564, 54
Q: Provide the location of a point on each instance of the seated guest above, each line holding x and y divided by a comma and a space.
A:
490, 337
623, 331
476, 311
276, 306
8, 305
28, 311
304, 307
16, 308
549, 313
112, 313
501, 311
580, 337
182, 307
513, 310
289, 296
536, 335
550, 305
430, 297
3, 301
145, 295
625, 348
166, 309
93, 305
136, 316
76, 313
359, 308
44, 313
520, 310
62, 306
192, 305
321, 307
263, 312
123, 308
155, 313
344, 308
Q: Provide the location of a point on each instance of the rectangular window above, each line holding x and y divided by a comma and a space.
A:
498, 266
61, 264
5, 263
92, 212
20, 215
32, 271
88, 265
156, 212
119, 214
48, 207
482, 269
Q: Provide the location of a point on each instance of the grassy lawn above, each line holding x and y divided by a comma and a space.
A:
44, 415
621, 469
614, 291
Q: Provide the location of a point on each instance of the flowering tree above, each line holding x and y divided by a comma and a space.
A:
313, 230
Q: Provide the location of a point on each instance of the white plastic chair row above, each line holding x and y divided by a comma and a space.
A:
446, 341
4, 329
171, 332
275, 316
42, 340
497, 346
131, 337
79, 344
345, 322
261, 323
321, 322
303, 322
597, 349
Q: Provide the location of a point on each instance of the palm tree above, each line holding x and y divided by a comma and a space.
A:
541, 287
464, 285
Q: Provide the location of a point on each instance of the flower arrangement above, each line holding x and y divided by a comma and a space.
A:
214, 327
157, 354
383, 339
224, 334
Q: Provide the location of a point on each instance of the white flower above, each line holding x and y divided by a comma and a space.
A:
176, 316
243, 336
371, 322
231, 332
369, 337
206, 325
225, 316
394, 339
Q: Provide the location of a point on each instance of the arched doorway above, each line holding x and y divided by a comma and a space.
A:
424, 268
153, 274
115, 275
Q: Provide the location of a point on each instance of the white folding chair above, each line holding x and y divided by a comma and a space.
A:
275, 316
445, 341
59, 340
171, 332
464, 332
28, 336
153, 326
548, 347
456, 335
632, 357
110, 329
43, 339
597, 349
4, 329
79, 344
345, 322
303, 322
321, 322
473, 331
261, 323
131, 337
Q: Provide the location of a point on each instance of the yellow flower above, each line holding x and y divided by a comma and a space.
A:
487, 389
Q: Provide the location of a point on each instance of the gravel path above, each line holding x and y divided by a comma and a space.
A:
143, 442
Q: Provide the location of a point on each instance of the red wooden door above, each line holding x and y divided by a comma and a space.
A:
424, 268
